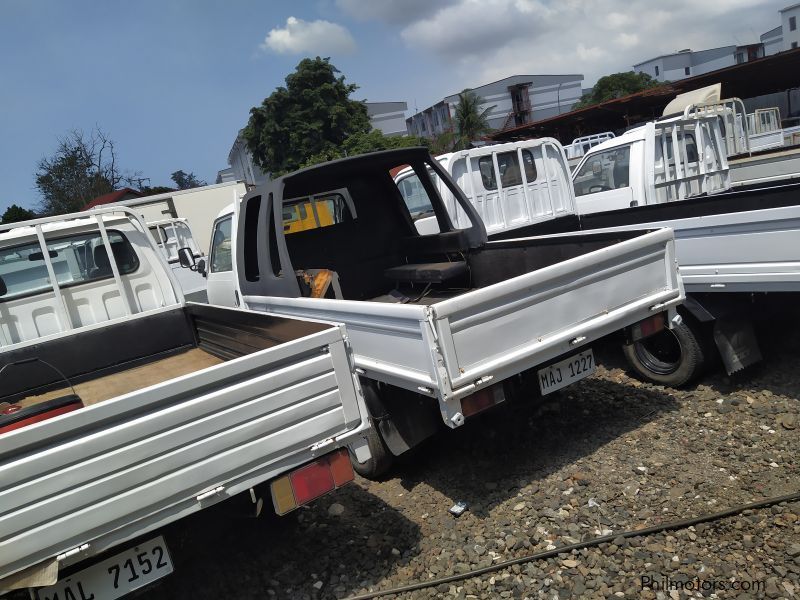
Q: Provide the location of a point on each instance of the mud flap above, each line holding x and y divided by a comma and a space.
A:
404, 419
737, 344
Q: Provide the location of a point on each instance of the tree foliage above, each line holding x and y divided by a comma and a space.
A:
312, 116
470, 121
186, 181
364, 143
82, 168
617, 85
15, 214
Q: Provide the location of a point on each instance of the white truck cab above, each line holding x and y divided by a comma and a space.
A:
661, 161
510, 185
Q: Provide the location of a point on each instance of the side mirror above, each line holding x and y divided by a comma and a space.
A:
186, 258
201, 267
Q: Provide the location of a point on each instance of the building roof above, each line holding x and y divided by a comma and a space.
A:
115, 196
518, 79
789, 7
687, 51
774, 73
772, 33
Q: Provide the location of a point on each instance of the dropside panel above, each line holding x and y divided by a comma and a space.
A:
131, 462
514, 325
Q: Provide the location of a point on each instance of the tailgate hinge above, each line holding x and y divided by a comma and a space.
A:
322, 444
209, 493
72, 552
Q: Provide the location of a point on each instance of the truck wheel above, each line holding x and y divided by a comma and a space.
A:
672, 357
381, 461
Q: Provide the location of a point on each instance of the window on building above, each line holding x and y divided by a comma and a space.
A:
793, 26
656, 70
739, 58
794, 44
686, 70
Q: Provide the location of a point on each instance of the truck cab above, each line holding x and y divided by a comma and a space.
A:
662, 161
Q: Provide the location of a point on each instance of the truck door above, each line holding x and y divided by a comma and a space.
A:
603, 181
222, 281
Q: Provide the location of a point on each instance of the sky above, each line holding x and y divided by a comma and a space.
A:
172, 81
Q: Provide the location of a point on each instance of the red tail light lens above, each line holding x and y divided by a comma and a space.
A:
648, 327
482, 399
311, 481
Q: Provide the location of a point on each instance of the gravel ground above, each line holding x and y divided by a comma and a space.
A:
607, 455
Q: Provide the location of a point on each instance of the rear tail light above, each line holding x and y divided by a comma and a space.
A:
648, 327
14, 416
311, 481
482, 399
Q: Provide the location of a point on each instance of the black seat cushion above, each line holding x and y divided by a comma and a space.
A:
427, 272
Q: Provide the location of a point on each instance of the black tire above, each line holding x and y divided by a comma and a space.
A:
381, 461
672, 357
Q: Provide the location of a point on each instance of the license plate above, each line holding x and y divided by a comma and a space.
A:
115, 576
564, 372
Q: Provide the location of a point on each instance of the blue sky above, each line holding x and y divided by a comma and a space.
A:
172, 81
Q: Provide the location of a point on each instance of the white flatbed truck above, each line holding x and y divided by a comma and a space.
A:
442, 324
124, 408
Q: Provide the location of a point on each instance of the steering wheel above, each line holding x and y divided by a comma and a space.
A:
598, 188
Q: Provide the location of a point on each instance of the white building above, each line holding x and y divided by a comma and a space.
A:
685, 63
513, 101
389, 117
785, 36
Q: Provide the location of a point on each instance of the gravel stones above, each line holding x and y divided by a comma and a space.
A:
603, 456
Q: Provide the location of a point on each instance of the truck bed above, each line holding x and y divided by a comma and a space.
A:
527, 302
739, 241
185, 407
160, 370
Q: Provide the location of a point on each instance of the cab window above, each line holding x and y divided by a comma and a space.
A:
221, 246
321, 210
75, 259
415, 196
609, 170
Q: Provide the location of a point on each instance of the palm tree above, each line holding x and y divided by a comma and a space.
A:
471, 122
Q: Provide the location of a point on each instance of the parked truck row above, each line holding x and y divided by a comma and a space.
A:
735, 246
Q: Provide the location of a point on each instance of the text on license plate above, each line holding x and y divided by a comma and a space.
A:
115, 576
564, 372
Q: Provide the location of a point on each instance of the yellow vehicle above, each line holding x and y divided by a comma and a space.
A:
309, 213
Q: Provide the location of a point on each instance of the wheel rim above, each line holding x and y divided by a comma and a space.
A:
660, 353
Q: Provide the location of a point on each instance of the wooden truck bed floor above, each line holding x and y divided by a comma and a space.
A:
124, 382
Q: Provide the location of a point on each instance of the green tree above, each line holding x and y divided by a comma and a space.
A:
15, 214
616, 86
82, 168
186, 181
443, 143
470, 121
364, 143
311, 116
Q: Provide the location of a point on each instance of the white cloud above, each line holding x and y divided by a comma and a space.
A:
311, 37
391, 11
478, 41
